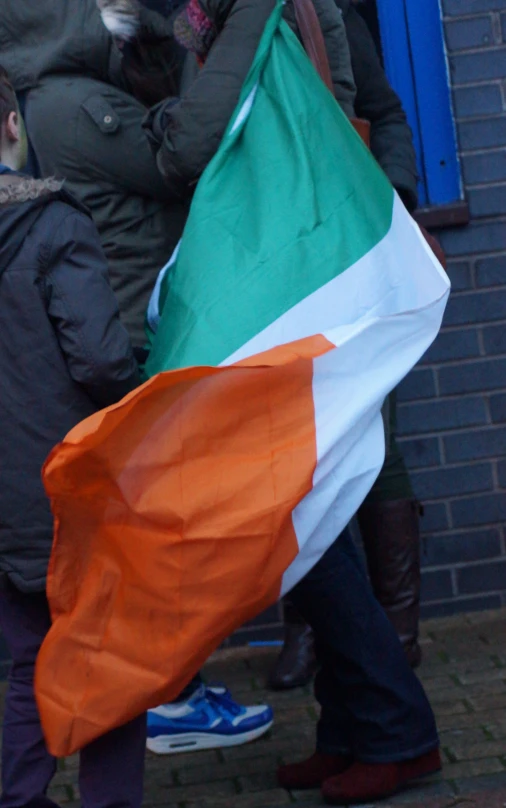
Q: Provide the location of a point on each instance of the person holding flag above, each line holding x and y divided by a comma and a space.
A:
376, 731
64, 355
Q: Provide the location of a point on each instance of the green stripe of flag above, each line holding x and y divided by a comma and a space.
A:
291, 200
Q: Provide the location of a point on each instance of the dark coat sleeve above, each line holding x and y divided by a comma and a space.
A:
391, 137
186, 133
84, 313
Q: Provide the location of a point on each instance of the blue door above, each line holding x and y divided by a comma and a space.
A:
415, 61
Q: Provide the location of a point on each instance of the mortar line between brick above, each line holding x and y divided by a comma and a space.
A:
461, 599
478, 116
460, 565
470, 16
495, 474
461, 497
436, 381
453, 577
480, 150
462, 430
449, 514
502, 540
481, 341
448, 397
442, 450
488, 411
478, 84
472, 50
462, 531
481, 186
497, 27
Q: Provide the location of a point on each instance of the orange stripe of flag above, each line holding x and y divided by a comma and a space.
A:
173, 526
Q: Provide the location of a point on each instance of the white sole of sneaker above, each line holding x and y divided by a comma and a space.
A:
195, 741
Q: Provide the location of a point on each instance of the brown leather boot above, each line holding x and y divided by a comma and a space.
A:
296, 664
391, 536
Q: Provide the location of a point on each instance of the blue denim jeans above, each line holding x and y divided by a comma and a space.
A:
372, 704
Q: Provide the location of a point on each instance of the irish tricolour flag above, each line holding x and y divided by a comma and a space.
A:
301, 294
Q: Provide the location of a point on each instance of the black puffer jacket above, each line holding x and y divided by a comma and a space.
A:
63, 356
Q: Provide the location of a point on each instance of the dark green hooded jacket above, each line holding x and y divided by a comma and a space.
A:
186, 132
85, 127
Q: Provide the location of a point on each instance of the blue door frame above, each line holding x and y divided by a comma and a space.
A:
415, 62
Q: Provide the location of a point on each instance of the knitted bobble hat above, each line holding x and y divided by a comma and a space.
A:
195, 31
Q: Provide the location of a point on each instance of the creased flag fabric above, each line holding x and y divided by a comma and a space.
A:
301, 294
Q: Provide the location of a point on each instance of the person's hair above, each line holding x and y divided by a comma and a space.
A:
8, 101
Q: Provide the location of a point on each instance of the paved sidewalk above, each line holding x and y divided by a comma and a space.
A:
464, 671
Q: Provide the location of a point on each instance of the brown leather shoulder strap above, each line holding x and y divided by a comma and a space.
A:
314, 45
312, 39
363, 128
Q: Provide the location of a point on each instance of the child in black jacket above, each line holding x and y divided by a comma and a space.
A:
63, 355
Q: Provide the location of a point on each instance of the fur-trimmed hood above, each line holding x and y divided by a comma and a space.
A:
22, 202
16, 189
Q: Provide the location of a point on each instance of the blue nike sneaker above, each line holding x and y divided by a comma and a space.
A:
209, 719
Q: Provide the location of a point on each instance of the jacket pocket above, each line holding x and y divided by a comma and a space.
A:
102, 114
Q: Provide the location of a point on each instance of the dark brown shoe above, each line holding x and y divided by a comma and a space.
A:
313, 772
296, 664
368, 782
391, 536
